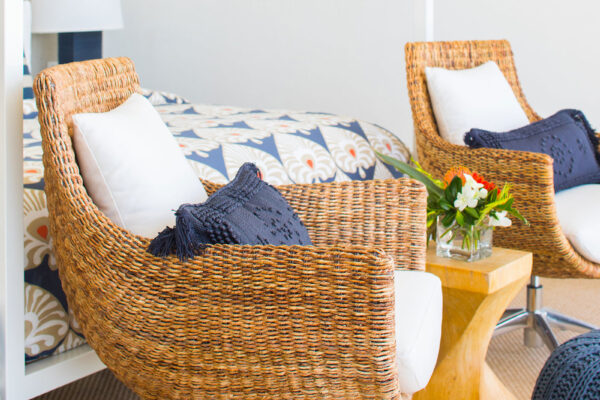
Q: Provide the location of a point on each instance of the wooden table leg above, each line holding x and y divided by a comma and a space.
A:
468, 323
491, 387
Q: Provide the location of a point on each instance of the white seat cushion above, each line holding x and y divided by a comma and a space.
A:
478, 97
418, 327
133, 168
579, 217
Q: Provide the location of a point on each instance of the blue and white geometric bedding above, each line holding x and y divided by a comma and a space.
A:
288, 147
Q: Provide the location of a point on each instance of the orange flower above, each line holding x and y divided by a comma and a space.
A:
456, 171
486, 185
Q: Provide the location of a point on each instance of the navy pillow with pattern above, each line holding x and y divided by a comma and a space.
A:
566, 136
245, 211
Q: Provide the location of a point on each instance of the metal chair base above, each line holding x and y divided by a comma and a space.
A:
537, 321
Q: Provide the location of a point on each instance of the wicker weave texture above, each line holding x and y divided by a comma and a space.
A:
239, 322
530, 174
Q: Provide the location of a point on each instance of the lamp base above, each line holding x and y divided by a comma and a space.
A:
79, 46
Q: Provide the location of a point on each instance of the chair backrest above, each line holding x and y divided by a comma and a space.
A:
61, 91
89, 86
454, 55
64, 90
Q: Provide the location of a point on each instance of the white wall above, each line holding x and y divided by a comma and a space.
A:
346, 56
44, 50
341, 56
555, 43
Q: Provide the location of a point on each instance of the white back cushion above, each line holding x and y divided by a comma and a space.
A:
133, 168
478, 97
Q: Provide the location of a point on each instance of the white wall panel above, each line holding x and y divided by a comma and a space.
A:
12, 365
555, 44
341, 56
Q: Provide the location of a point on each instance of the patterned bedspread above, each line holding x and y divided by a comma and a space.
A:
288, 147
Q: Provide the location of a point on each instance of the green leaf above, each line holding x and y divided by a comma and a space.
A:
488, 208
452, 190
504, 192
420, 169
448, 195
431, 217
448, 219
433, 202
456, 186
508, 205
403, 167
445, 205
469, 220
518, 215
472, 212
459, 218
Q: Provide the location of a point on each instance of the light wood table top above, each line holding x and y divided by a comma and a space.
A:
475, 296
482, 276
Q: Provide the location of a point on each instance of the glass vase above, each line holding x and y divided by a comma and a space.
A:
464, 243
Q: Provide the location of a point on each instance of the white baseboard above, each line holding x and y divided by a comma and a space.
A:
53, 372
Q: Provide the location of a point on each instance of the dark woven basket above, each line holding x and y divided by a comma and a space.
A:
572, 372
530, 173
239, 322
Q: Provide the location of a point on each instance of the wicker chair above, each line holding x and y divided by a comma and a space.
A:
530, 173
248, 322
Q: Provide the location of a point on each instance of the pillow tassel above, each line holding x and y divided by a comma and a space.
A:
188, 237
163, 244
579, 116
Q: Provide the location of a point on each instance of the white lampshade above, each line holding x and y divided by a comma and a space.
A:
51, 16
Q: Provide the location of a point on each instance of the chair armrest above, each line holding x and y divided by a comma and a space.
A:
389, 214
439, 155
532, 180
279, 320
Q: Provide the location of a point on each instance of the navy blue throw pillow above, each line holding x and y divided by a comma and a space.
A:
245, 211
566, 136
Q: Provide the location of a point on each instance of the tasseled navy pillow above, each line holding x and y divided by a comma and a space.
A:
566, 136
245, 211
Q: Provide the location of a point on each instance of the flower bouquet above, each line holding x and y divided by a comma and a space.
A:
462, 210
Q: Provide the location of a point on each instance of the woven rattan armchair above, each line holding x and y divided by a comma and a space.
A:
530, 173
247, 322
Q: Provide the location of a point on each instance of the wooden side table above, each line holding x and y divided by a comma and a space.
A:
475, 296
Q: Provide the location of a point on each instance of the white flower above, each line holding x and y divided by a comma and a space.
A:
476, 186
468, 197
500, 219
469, 181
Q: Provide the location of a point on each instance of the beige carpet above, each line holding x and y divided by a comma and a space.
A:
516, 365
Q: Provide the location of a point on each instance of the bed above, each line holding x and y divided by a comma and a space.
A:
288, 147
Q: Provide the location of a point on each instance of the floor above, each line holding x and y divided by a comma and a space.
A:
516, 365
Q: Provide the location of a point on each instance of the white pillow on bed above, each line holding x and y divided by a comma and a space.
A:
478, 97
133, 168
